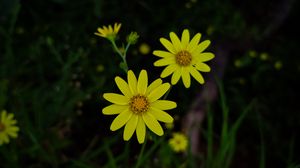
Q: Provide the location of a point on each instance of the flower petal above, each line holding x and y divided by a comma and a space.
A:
176, 76
123, 86
116, 98
165, 61
161, 115
196, 75
158, 92
203, 57
130, 127
153, 85
168, 45
163, 104
3, 116
185, 38
202, 67
10, 116
194, 42
201, 47
186, 77
169, 70
163, 54
121, 120
114, 109
141, 130
176, 42
152, 124
142, 82
132, 82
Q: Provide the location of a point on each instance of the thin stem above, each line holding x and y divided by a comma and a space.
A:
123, 56
139, 161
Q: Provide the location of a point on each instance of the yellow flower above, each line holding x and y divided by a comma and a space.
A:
184, 58
252, 53
278, 65
179, 142
144, 48
238, 63
139, 106
7, 127
109, 32
264, 56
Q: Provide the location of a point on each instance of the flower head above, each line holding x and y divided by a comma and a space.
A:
184, 58
139, 106
7, 127
109, 32
179, 142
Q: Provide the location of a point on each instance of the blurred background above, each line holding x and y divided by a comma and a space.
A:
54, 70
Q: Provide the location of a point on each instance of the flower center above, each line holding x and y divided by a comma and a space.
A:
2, 127
183, 58
139, 104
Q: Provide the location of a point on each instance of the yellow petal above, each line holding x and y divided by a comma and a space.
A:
202, 67
130, 127
165, 61
186, 77
161, 115
154, 85
169, 70
201, 47
3, 115
152, 124
176, 42
142, 82
160, 53
176, 76
121, 120
116, 98
5, 138
123, 86
163, 104
101, 35
158, 92
12, 134
114, 109
169, 46
141, 130
111, 30
10, 116
196, 75
203, 57
11, 122
132, 82
185, 38
194, 42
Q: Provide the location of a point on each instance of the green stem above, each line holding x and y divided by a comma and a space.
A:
120, 54
139, 161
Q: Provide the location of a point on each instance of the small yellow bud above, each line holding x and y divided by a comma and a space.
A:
264, 56
132, 37
278, 65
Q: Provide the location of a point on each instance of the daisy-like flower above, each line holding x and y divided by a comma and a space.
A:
7, 127
184, 58
139, 106
109, 32
179, 142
